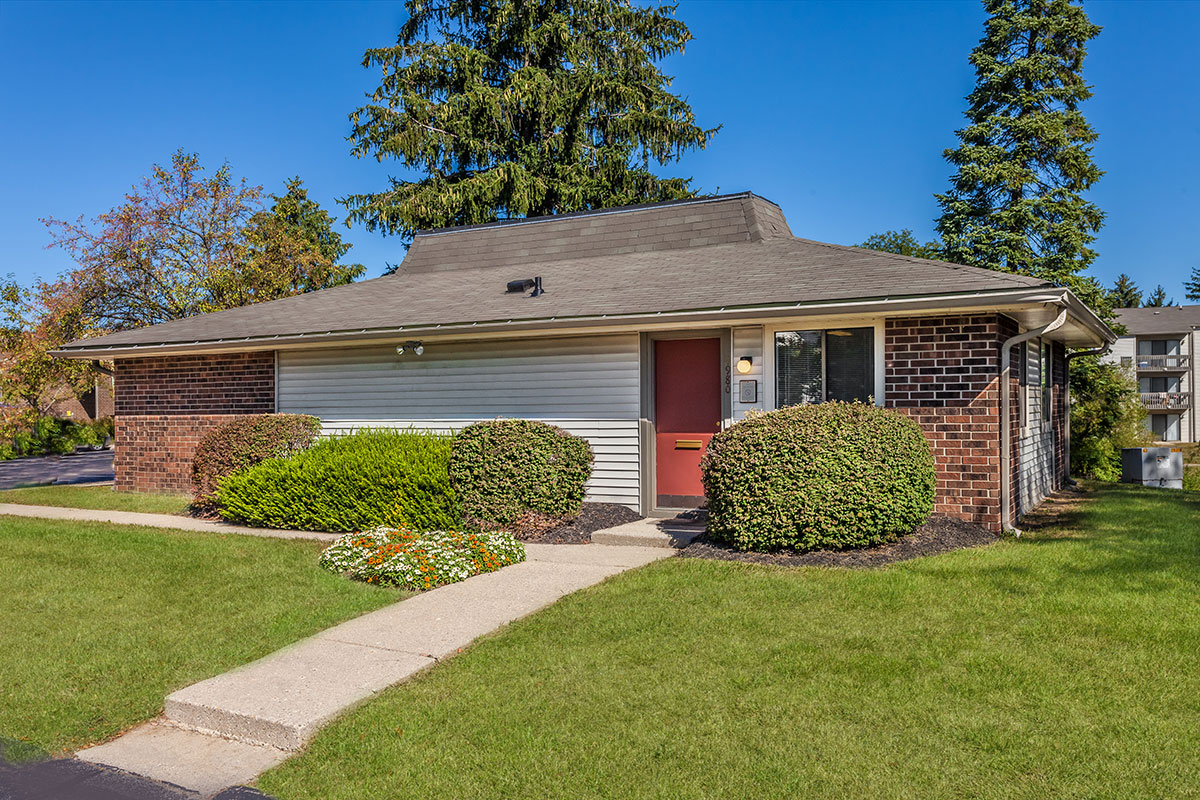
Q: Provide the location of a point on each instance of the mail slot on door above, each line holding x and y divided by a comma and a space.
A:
688, 444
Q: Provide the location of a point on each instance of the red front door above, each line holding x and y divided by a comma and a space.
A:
687, 412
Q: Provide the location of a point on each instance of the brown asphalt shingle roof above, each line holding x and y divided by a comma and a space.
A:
724, 252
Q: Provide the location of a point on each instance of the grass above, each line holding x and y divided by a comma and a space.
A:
100, 622
97, 497
1062, 664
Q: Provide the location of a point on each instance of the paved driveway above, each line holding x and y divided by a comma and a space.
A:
76, 468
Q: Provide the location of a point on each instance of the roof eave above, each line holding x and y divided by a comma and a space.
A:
1002, 299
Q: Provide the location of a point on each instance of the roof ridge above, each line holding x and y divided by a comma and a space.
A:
1016, 277
514, 222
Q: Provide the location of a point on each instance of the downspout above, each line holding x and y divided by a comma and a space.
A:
1005, 416
1099, 351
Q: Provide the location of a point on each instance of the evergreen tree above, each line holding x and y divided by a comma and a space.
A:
290, 249
1125, 293
1158, 298
902, 243
1024, 159
512, 108
1191, 287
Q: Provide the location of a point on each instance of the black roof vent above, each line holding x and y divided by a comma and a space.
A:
514, 287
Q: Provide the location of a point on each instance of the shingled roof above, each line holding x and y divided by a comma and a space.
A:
734, 251
1167, 319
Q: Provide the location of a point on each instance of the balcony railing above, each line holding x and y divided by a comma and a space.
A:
1162, 362
1167, 401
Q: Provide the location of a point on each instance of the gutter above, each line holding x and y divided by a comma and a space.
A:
1005, 415
990, 300
1098, 351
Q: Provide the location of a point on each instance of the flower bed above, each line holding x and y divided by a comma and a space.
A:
405, 558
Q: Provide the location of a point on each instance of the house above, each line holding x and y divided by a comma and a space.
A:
1160, 347
644, 329
63, 401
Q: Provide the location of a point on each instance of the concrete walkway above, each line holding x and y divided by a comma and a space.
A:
155, 521
651, 532
228, 729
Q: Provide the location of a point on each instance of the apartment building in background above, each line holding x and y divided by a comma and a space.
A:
1160, 346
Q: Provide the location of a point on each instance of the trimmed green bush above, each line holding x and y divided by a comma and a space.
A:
519, 474
349, 483
244, 442
825, 476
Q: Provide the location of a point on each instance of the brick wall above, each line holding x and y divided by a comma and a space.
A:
164, 405
233, 383
943, 372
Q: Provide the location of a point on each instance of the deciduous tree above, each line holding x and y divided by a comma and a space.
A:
903, 243
513, 108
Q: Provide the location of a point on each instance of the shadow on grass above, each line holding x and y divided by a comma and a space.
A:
1136, 536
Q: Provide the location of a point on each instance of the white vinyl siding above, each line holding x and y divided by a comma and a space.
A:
1037, 443
747, 342
585, 385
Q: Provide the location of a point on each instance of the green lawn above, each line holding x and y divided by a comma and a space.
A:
98, 622
100, 497
1063, 664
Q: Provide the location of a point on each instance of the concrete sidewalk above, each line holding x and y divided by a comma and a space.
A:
155, 521
228, 729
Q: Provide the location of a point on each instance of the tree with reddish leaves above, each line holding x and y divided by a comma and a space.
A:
183, 242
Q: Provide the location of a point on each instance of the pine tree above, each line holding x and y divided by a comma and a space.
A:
1125, 293
1024, 159
512, 108
1158, 298
1191, 287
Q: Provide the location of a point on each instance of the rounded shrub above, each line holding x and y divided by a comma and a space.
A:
349, 483
519, 474
825, 476
244, 442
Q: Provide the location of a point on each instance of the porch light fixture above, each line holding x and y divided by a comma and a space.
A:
745, 364
416, 347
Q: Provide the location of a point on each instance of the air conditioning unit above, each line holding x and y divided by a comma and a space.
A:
1160, 467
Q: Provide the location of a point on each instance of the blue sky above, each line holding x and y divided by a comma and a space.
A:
839, 112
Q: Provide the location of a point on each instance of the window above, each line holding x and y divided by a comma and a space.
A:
813, 366
1158, 347
1165, 427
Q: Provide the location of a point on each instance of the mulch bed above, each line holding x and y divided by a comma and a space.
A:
593, 517
939, 535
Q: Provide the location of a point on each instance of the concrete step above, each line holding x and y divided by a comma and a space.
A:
650, 532
283, 699
200, 763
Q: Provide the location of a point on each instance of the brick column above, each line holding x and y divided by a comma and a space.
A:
165, 404
944, 373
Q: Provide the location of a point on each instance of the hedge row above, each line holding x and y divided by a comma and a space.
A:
243, 442
349, 483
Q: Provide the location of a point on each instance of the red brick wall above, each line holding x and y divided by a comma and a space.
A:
154, 453
943, 372
233, 383
164, 405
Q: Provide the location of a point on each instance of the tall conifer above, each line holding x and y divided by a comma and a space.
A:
1024, 160
511, 108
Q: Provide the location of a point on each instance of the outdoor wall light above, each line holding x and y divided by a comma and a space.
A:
745, 364
416, 347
